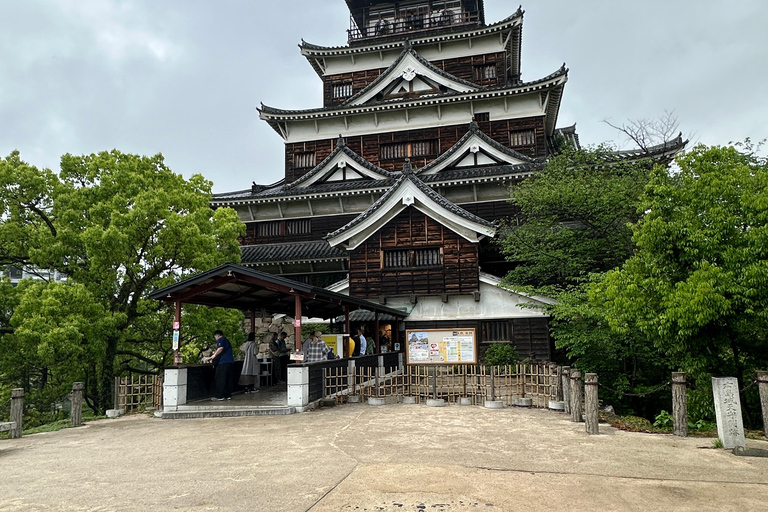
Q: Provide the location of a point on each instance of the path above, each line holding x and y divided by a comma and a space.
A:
364, 458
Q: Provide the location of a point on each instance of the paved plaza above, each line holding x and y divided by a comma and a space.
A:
365, 458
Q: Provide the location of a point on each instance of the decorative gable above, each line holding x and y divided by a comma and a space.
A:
342, 165
410, 75
475, 149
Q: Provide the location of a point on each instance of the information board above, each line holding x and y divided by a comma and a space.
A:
441, 346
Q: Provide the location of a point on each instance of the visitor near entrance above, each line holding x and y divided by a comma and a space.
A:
274, 350
315, 348
363, 343
250, 372
224, 361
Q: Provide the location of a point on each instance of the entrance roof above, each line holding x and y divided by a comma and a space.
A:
238, 287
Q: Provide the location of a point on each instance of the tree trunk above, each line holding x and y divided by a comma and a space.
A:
106, 379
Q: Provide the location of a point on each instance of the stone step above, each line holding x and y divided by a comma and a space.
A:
223, 412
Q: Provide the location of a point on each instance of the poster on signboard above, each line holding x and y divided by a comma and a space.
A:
441, 346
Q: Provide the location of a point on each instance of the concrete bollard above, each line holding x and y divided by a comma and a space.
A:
17, 412
76, 398
679, 404
591, 418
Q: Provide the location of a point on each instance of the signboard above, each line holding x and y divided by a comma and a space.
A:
441, 346
297, 322
335, 341
175, 340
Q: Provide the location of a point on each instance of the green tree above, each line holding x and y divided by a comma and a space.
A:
119, 226
698, 283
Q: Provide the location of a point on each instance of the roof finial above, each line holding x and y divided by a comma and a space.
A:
473, 127
407, 45
407, 168
341, 142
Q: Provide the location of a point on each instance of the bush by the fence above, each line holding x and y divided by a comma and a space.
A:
501, 354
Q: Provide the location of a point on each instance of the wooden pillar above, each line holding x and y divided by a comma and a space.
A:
346, 321
76, 398
297, 323
17, 412
253, 322
376, 331
679, 404
591, 402
493, 386
565, 373
762, 383
558, 382
576, 396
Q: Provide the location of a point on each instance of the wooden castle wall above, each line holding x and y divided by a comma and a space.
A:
457, 273
471, 69
368, 146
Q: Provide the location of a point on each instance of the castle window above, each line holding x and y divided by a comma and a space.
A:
402, 150
522, 138
284, 228
304, 160
298, 227
342, 90
485, 72
268, 229
482, 116
410, 258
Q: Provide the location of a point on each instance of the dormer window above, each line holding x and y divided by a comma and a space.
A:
305, 160
519, 138
342, 90
485, 72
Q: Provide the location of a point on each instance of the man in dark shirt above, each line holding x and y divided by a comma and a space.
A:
225, 359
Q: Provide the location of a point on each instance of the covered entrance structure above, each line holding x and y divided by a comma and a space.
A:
254, 292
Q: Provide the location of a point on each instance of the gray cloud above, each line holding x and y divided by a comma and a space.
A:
184, 77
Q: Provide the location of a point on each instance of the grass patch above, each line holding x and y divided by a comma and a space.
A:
53, 426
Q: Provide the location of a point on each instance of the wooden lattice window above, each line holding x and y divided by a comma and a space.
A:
409, 258
284, 228
485, 72
522, 138
304, 160
497, 330
342, 90
267, 229
298, 227
402, 150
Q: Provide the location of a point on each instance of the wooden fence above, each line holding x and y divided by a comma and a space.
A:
538, 381
138, 392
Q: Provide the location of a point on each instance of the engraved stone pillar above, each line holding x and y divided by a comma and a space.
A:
576, 397
730, 426
76, 416
591, 417
762, 383
17, 412
566, 376
679, 404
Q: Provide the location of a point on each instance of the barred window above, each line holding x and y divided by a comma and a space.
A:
495, 331
522, 138
342, 90
482, 116
267, 229
304, 160
402, 150
284, 228
298, 227
485, 72
406, 258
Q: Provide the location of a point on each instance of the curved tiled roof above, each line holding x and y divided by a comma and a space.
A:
290, 252
408, 175
386, 75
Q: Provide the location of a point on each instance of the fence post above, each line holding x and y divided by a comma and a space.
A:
566, 377
576, 413
17, 412
679, 404
762, 384
76, 398
116, 393
493, 386
591, 402
434, 382
557, 372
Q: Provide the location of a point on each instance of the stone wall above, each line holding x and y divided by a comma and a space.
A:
266, 326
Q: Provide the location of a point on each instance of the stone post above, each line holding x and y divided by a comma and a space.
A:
591, 403
762, 384
17, 412
557, 373
576, 396
566, 376
76, 398
679, 404
434, 383
730, 426
493, 387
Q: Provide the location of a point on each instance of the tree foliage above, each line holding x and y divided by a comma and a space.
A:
119, 226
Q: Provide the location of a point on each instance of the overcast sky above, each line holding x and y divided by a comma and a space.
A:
184, 77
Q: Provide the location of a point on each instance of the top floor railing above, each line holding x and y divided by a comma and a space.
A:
411, 23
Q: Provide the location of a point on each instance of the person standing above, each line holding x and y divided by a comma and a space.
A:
225, 360
315, 348
363, 343
250, 372
274, 351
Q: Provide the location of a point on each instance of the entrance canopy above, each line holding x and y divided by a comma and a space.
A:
238, 287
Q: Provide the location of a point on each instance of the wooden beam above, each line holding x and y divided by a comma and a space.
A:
198, 290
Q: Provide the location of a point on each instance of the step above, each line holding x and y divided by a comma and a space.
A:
223, 412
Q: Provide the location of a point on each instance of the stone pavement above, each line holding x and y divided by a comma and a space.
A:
365, 458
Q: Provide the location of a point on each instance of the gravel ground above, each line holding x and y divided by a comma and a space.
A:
365, 458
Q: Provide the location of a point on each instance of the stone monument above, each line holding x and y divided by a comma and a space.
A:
730, 426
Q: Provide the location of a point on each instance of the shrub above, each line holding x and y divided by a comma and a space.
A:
501, 354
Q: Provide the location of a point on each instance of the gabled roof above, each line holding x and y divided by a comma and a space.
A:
315, 53
411, 191
408, 66
475, 146
340, 161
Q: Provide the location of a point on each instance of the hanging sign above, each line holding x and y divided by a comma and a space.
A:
176, 325
441, 346
176, 340
297, 322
